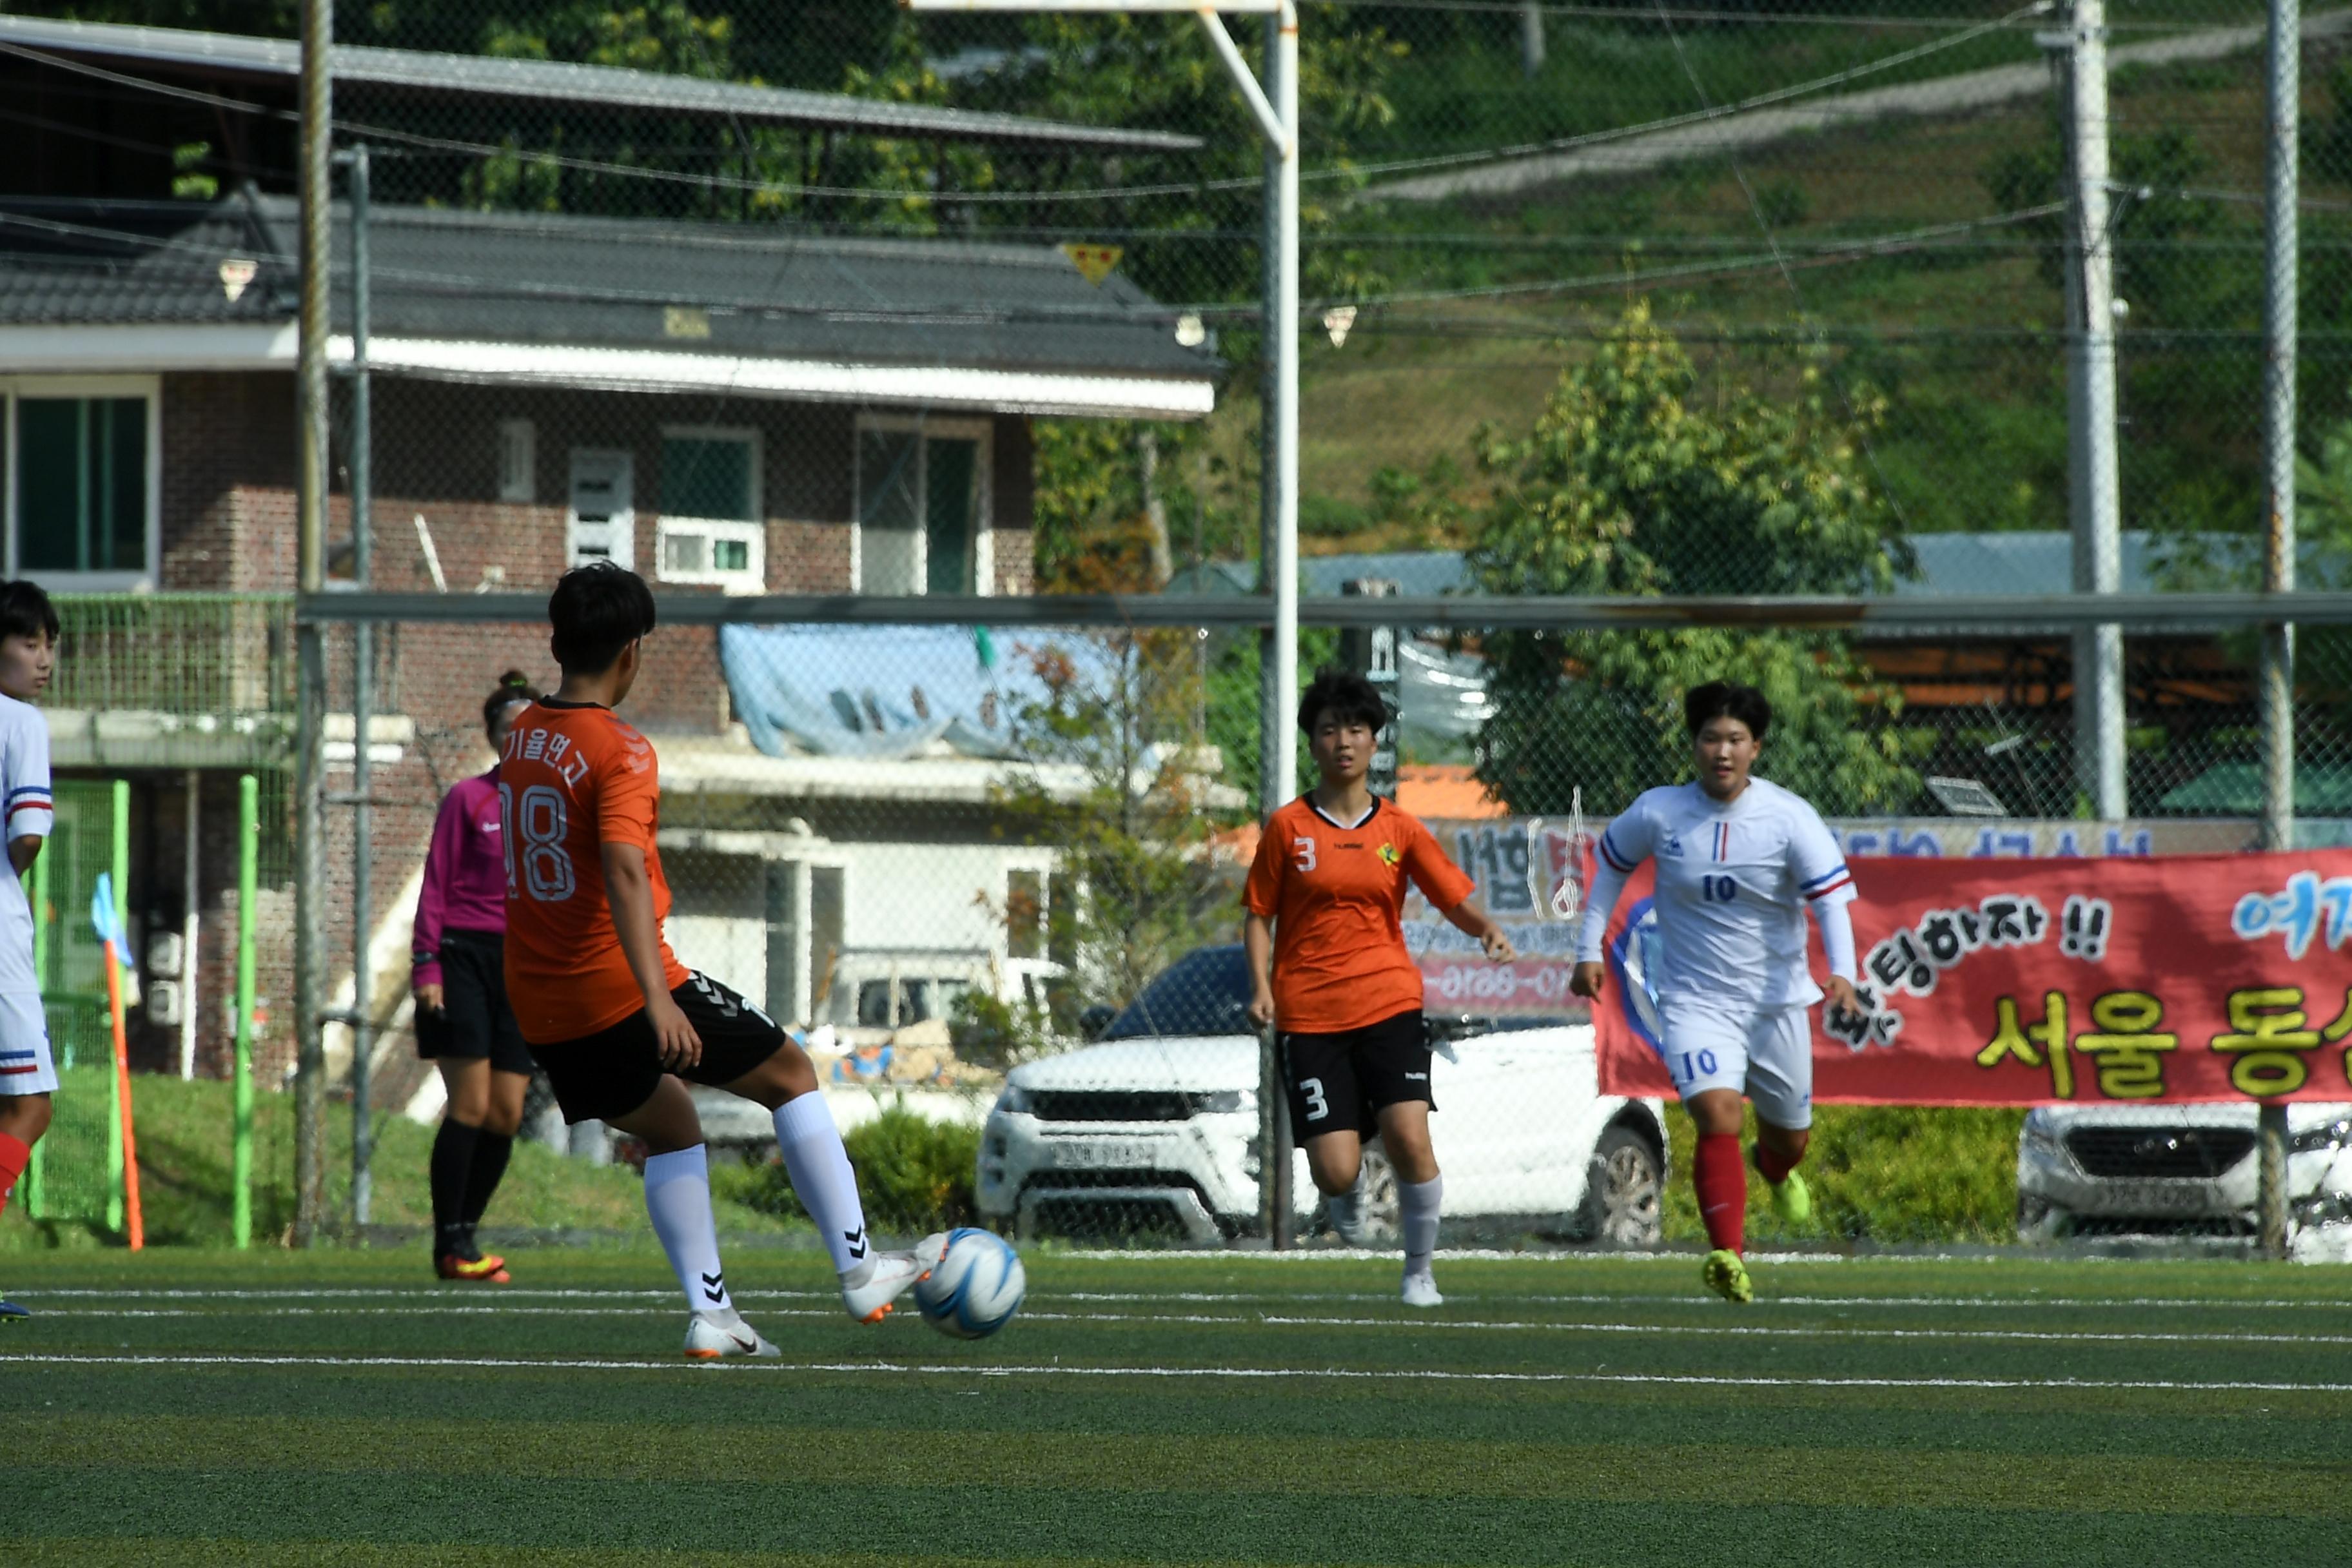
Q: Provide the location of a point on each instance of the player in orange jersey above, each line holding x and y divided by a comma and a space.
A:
1324, 899
614, 1018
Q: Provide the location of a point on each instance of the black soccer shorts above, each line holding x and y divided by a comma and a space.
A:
1341, 1081
612, 1072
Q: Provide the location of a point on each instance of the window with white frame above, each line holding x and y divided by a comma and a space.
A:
78, 494
712, 526
518, 461
922, 506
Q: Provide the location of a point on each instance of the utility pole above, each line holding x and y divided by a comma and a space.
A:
311, 530
1532, 38
2284, 58
2097, 506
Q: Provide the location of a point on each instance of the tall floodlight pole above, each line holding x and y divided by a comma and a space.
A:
2090, 410
310, 529
2285, 61
1277, 112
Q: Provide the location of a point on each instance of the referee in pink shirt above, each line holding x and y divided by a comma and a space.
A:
463, 1022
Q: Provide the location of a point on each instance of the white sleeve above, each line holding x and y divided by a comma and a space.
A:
1599, 902
1622, 845
25, 774
1816, 861
1837, 934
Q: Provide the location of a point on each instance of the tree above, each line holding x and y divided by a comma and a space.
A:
1628, 485
1117, 787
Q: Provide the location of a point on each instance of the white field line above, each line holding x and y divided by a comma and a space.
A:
1265, 1374
1230, 1320
429, 1294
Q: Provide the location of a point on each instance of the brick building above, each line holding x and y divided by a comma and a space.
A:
727, 409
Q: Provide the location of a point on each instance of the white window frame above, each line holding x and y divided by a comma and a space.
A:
150, 387
517, 462
982, 433
754, 577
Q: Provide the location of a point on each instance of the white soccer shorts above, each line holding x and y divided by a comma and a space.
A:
25, 1067
1767, 1056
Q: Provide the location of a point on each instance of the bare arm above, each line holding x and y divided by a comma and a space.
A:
1466, 916
631, 893
23, 852
1257, 947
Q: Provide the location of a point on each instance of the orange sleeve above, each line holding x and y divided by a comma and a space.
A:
1262, 894
627, 793
1441, 881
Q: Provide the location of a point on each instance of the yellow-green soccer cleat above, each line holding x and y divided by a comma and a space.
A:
1792, 1200
1727, 1276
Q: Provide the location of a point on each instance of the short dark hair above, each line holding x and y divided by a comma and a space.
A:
1724, 700
25, 611
513, 686
597, 610
1346, 693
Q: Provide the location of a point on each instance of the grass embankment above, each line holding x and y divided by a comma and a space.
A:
184, 1133
1974, 437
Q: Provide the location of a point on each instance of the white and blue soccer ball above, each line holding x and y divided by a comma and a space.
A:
975, 1287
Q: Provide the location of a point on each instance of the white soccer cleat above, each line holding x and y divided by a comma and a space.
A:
715, 1336
1421, 1290
892, 1275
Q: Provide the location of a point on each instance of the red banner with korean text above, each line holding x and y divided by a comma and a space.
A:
2186, 978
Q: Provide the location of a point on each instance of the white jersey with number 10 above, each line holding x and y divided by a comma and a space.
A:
1734, 882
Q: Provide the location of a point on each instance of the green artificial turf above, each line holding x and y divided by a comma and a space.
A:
219, 1408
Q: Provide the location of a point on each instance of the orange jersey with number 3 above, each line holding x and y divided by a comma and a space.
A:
573, 780
1336, 895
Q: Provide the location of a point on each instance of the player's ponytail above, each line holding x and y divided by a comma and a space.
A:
513, 686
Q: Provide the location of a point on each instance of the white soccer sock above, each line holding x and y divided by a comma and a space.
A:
821, 1179
1420, 1202
678, 1197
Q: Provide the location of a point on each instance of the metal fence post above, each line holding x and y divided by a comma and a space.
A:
2284, 63
311, 517
2096, 509
363, 1020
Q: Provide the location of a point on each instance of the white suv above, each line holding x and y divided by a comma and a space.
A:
1156, 1127
2179, 1170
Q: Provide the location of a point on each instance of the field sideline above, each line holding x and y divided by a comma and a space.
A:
339, 1407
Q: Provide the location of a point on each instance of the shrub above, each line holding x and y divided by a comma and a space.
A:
915, 1174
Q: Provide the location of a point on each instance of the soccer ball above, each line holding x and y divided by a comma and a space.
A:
976, 1287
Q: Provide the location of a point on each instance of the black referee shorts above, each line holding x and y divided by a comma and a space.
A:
610, 1073
1341, 1081
474, 1020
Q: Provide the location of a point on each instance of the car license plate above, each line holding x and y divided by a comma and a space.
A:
1102, 1156
2162, 1197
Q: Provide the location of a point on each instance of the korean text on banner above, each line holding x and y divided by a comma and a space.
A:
2186, 978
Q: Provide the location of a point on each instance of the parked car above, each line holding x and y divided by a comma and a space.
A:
2176, 1170
1157, 1125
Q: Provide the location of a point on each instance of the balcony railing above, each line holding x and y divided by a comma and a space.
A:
172, 681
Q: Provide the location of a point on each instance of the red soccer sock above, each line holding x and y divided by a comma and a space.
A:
1773, 1165
1721, 1177
15, 1155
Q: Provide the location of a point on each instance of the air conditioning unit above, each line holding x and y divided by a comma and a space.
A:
726, 554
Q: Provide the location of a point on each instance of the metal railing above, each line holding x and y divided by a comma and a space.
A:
220, 657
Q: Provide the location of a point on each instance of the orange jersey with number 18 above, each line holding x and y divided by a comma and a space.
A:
574, 778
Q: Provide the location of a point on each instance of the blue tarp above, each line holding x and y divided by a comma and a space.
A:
891, 692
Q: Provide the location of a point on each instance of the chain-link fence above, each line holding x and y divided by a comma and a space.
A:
1600, 300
